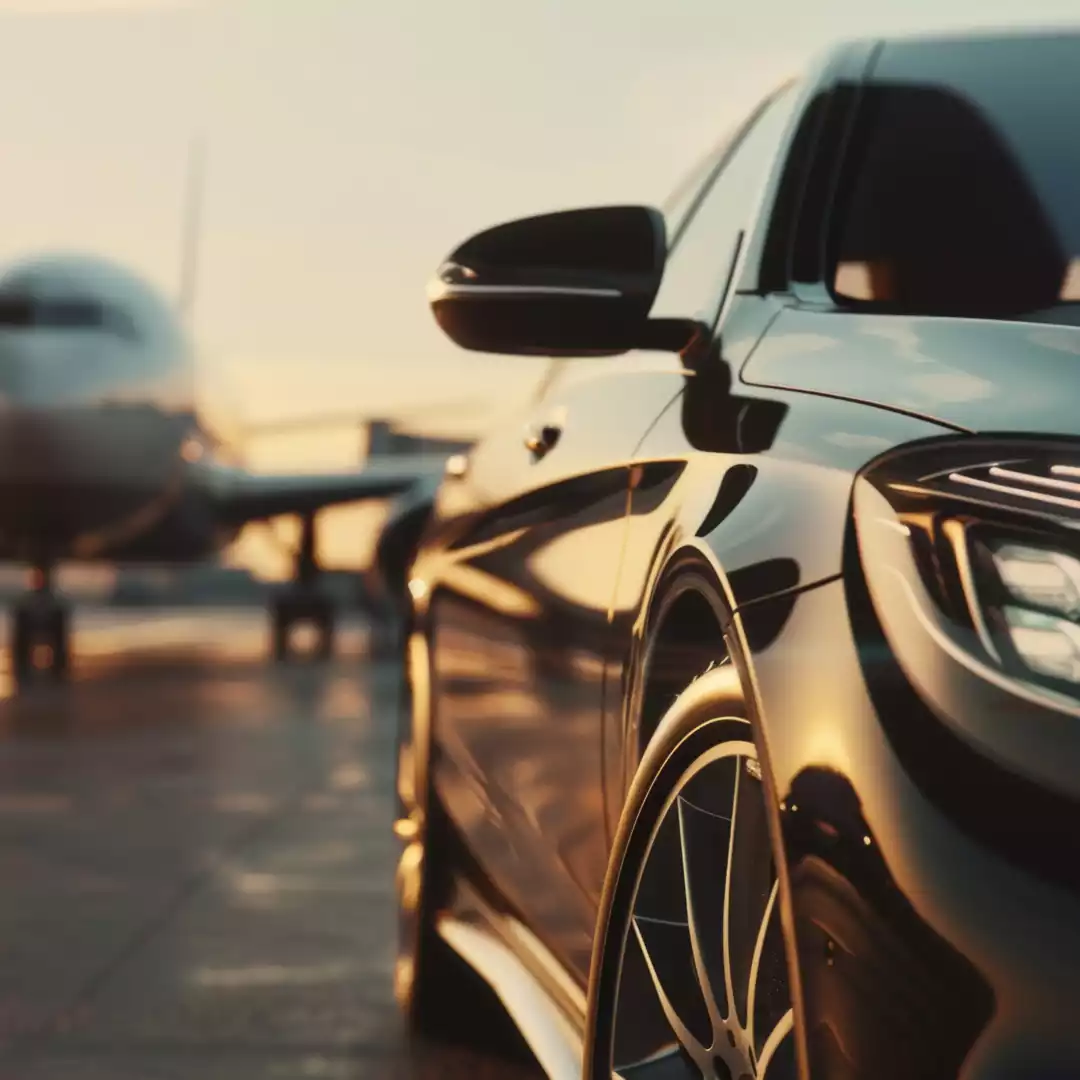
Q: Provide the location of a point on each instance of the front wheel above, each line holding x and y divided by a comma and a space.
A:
690, 976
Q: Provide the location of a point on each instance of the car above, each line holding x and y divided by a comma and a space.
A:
741, 733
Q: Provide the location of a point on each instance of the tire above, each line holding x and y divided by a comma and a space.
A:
60, 636
279, 635
35, 623
690, 968
22, 645
327, 625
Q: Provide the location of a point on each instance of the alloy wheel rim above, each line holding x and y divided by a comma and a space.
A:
706, 958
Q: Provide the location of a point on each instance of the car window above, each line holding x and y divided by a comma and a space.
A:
961, 197
699, 265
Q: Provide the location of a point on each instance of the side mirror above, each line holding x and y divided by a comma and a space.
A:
576, 283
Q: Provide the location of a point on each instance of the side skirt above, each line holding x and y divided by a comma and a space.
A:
547, 1006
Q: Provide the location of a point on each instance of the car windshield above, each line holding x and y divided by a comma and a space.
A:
963, 190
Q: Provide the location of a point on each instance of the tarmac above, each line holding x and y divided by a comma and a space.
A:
196, 861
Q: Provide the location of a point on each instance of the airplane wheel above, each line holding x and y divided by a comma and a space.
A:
60, 644
279, 635
288, 609
326, 635
34, 624
22, 645
285, 611
387, 639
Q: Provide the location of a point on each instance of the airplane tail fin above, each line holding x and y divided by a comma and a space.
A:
191, 228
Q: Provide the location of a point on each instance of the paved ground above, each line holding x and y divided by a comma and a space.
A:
196, 863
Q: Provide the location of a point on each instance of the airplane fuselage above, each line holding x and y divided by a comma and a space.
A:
115, 447
106, 425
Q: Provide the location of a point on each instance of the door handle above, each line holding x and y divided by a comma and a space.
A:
540, 441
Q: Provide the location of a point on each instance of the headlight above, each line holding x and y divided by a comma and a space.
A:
991, 528
963, 592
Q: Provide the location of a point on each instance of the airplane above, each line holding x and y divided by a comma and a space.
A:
112, 449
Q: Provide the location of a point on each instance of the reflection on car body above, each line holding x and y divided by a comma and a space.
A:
743, 734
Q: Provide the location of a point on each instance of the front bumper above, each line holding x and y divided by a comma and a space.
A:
929, 944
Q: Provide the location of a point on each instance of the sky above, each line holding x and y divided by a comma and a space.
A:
352, 144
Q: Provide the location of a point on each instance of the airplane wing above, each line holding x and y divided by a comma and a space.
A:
240, 496
352, 418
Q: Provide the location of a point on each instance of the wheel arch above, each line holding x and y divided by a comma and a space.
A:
691, 599
689, 603
683, 633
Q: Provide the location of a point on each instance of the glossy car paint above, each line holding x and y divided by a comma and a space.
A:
520, 636
968, 374
928, 876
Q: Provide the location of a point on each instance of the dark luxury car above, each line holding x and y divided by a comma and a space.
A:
742, 731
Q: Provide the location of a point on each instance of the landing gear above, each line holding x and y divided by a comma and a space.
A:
40, 623
303, 602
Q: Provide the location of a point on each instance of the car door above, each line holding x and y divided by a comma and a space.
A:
525, 629
519, 636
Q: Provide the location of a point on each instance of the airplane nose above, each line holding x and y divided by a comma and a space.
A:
40, 371
73, 479
101, 446
46, 430
74, 409
12, 377
48, 447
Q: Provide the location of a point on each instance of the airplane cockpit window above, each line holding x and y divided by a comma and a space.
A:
16, 312
71, 292
70, 314
60, 313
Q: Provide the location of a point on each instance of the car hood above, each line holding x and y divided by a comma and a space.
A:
972, 374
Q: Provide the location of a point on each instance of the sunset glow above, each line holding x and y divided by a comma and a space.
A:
334, 184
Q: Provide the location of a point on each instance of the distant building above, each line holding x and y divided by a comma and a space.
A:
386, 438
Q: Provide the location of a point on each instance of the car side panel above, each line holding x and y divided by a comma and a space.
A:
767, 521
518, 571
